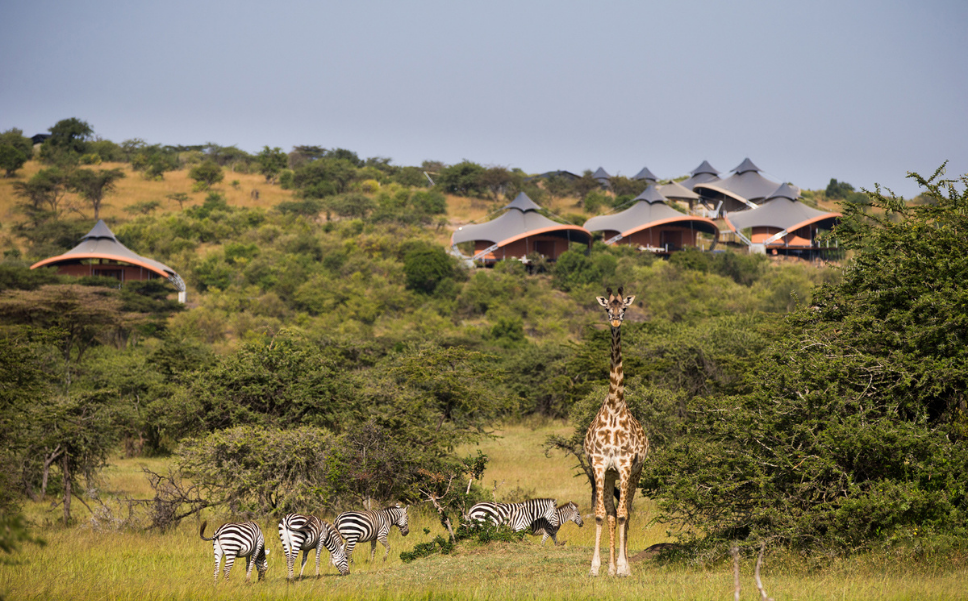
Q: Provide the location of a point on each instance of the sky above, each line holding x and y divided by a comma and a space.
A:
861, 91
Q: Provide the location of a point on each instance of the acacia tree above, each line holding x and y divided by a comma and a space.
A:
68, 140
852, 427
93, 186
43, 193
78, 315
206, 174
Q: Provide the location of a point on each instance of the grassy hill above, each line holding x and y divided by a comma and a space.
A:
97, 560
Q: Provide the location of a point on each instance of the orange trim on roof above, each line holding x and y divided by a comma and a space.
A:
710, 222
120, 259
543, 230
792, 228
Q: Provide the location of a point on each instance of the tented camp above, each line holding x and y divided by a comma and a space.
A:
746, 188
645, 175
602, 177
100, 254
676, 191
782, 223
651, 224
702, 174
518, 232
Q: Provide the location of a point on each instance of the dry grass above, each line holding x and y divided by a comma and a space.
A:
79, 563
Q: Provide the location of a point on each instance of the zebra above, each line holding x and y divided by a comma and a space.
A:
239, 540
568, 511
519, 516
307, 532
373, 526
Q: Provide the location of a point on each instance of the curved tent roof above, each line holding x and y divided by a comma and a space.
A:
782, 210
676, 191
745, 185
700, 175
646, 175
600, 174
650, 210
101, 243
521, 219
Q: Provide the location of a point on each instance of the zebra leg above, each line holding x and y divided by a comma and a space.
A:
290, 560
348, 549
303, 565
385, 543
249, 564
372, 550
319, 549
229, 561
218, 560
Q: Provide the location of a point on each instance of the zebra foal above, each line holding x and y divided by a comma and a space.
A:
305, 533
372, 526
238, 540
519, 516
568, 511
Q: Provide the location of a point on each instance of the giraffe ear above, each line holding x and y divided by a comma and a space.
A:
602, 301
628, 301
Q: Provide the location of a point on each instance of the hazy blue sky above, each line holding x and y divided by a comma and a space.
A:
861, 91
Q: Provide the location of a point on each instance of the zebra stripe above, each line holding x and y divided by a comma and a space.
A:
305, 533
372, 526
239, 540
519, 516
568, 511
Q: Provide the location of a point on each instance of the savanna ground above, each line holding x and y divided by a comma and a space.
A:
83, 563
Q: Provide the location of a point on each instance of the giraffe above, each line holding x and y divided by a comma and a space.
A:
616, 447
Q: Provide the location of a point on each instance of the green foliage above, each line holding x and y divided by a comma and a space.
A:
69, 139
850, 428
93, 186
267, 471
43, 194
11, 159
462, 179
271, 161
207, 174
426, 266
15, 137
574, 268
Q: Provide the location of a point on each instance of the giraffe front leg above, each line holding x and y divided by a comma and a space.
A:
623, 515
599, 520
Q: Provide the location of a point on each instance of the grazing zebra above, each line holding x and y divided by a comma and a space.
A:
373, 526
307, 532
568, 511
239, 540
519, 516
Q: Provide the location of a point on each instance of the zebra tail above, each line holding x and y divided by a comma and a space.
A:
201, 531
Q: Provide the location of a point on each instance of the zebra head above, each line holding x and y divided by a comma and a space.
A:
400, 519
262, 562
615, 306
569, 511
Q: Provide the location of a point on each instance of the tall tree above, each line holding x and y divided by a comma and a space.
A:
43, 194
68, 140
93, 186
271, 162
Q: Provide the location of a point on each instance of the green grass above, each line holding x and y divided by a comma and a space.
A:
80, 563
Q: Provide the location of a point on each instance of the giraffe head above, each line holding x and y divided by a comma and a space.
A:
615, 306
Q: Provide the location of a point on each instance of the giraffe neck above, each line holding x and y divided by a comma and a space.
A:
616, 380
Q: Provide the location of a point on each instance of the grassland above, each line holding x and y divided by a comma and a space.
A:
83, 563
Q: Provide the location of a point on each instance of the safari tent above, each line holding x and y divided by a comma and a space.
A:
651, 224
518, 232
101, 254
